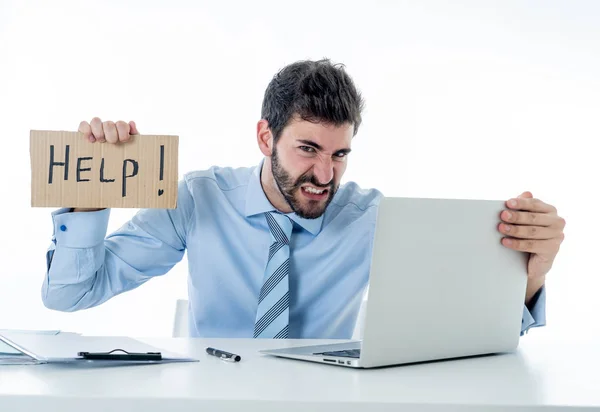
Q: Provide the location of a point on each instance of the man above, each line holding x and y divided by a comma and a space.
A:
277, 250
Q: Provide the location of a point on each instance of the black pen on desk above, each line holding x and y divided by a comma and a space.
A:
223, 355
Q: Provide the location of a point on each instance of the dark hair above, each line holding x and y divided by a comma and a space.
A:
316, 91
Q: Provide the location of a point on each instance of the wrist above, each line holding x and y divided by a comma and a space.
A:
533, 287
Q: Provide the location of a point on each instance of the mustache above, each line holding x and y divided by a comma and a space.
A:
311, 179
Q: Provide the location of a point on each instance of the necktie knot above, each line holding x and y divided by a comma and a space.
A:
280, 226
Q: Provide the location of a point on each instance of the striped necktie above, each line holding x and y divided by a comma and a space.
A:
272, 316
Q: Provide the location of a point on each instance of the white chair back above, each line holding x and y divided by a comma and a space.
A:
180, 325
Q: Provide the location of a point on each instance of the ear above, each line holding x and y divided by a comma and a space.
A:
264, 137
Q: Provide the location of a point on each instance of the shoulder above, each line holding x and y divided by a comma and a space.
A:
215, 186
219, 178
353, 206
352, 195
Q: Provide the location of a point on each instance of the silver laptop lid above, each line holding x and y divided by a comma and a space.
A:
441, 283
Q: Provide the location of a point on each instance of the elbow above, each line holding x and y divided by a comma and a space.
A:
55, 300
57, 305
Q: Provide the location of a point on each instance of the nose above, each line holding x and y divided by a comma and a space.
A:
324, 171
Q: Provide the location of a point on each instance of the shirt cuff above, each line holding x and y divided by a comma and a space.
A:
79, 229
537, 315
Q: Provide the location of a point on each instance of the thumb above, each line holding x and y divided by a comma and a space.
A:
133, 128
526, 195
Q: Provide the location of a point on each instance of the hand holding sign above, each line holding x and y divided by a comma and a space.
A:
111, 132
74, 169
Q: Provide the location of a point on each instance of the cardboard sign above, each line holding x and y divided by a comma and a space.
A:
67, 170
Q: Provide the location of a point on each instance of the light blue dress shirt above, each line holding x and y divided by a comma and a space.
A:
220, 221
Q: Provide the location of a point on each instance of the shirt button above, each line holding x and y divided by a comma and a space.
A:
63, 228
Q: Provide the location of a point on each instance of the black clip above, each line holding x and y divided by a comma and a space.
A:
128, 356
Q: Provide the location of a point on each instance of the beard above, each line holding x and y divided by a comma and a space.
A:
291, 191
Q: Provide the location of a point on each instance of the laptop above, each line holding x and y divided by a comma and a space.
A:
441, 286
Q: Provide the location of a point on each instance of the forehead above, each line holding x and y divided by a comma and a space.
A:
328, 136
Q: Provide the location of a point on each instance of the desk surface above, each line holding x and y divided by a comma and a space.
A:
538, 374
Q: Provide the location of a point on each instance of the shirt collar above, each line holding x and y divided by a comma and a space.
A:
257, 202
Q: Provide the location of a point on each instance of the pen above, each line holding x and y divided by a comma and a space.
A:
223, 355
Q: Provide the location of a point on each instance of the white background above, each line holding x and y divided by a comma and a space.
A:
477, 99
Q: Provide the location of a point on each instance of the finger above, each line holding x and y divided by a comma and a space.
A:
86, 130
110, 132
530, 204
542, 247
529, 232
526, 195
529, 218
97, 130
560, 222
122, 131
133, 128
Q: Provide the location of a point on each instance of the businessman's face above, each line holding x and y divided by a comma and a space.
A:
308, 163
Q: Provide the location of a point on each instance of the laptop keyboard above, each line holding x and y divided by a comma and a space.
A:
348, 353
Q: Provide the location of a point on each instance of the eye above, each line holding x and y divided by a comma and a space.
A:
307, 149
340, 155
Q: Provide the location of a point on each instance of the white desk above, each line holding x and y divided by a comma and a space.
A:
537, 376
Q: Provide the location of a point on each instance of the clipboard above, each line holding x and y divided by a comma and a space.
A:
125, 356
83, 350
